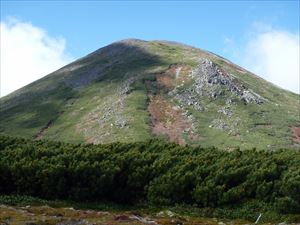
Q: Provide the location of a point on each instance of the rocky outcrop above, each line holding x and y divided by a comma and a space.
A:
211, 81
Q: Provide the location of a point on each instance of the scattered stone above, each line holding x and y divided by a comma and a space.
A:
177, 222
219, 124
166, 213
143, 220
226, 111
188, 98
228, 101
121, 123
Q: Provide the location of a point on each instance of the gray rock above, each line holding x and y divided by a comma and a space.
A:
226, 111
211, 81
219, 124
121, 123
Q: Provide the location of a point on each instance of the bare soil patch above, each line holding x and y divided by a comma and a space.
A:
296, 134
168, 119
175, 75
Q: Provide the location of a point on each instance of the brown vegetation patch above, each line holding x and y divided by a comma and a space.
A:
175, 75
296, 134
51, 216
168, 119
122, 218
46, 215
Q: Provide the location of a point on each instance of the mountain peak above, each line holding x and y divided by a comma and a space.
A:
130, 41
134, 90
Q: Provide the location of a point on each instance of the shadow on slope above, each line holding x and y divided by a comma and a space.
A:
26, 111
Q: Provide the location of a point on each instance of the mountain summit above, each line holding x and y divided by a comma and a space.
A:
133, 90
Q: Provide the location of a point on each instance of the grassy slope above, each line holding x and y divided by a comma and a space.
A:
281, 110
27, 111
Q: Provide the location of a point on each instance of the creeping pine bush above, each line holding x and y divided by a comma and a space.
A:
154, 172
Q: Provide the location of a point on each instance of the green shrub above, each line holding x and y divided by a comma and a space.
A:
153, 172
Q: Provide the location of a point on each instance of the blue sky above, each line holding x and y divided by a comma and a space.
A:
227, 28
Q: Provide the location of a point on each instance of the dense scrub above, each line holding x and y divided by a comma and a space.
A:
153, 172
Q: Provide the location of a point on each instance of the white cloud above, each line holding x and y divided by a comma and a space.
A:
27, 54
273, 54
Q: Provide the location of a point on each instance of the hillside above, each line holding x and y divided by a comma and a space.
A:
135, 90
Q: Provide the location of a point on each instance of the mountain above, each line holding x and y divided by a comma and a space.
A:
134, 90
